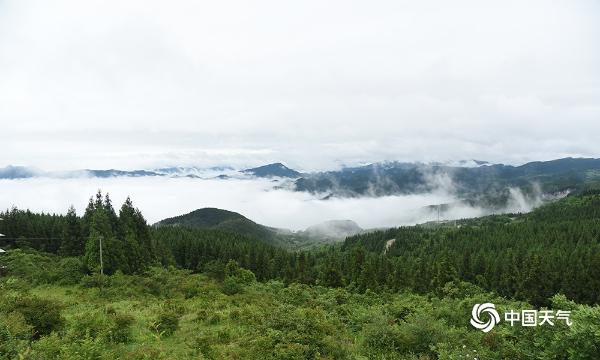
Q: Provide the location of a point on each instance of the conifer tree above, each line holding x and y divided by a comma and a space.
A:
112, 250
72, 240
133, 230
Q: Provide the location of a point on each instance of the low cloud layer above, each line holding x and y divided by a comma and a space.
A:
160, 198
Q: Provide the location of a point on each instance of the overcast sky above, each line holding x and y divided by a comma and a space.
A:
315, 84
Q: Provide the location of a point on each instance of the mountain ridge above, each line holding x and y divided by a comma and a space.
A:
474, 180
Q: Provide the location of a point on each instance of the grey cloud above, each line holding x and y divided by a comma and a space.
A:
316, 84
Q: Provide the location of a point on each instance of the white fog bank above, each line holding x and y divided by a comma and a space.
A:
159, 198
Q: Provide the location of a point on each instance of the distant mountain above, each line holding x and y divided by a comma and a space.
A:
212, 218
22, 172
481, 181
193, 172
120, 173
273, 170
17, 172
333, 229
472, 180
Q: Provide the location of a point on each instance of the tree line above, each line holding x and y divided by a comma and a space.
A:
126, 241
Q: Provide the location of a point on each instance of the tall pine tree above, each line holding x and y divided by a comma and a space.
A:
72, 240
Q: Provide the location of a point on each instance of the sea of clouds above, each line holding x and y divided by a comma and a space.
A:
257, 199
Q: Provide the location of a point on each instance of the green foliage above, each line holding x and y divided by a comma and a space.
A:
113, 252
126, 239
73, 243
530, 257
272, 321
409, 301
167, 322
236, 278
15, 334
232, 286
226, 221
106, 324
43, 315
40, 268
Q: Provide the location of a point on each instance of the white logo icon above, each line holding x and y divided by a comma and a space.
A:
488, 308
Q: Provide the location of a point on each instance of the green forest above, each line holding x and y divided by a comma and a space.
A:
177, 292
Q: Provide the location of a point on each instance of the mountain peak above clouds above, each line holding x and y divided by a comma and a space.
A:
272, 170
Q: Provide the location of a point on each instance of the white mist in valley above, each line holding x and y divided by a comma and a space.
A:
162, 197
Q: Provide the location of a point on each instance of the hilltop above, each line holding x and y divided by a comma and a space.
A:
219, 219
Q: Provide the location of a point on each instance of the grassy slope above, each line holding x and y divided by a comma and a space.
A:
271, 321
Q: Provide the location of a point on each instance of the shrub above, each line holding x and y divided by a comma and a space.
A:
175, 307
214, 269
167, 322
203, 346
201, 315
87, 323
224, 336
231, 286
190, 290
69, 271
119, 330
53, 347
382, 338
95, 281
15, 333
214, 319
234, 314
43, 315
244, 276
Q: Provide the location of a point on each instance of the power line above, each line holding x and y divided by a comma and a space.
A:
30, 238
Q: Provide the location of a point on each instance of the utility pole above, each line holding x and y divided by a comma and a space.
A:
101, 264
2, 267
1, 235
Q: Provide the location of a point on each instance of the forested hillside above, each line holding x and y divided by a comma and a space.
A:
218, 219
403, 293
554, 249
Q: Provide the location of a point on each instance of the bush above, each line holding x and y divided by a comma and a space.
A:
108, 325
15, 334
203, 346
201, 315
120, 328
231, 286
87, 323
167, 322
43, 315
214, 269
95, 281
36, 268
243, 276
53, 347
69, 271
234, 314
382, 338
214, 319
